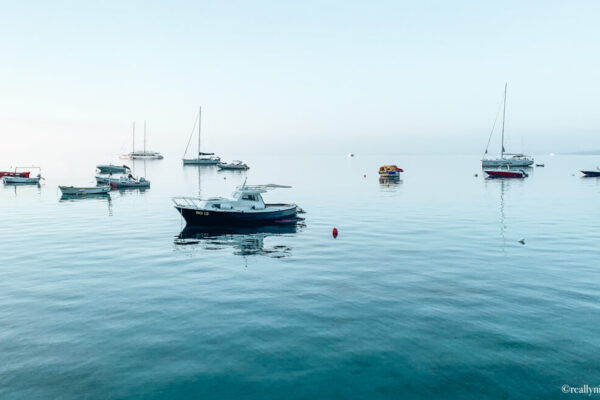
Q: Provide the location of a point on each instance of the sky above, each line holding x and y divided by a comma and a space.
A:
298, 76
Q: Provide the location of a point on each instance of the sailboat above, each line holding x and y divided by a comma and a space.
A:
144, 154
202, 158
506, 159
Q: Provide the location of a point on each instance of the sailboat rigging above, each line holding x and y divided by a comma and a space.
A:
144, 154
202, 158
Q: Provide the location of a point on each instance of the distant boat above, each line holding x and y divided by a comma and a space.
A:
539, 165
591, 173
506, 173
202, 158
83, 191
22, 180
350, 155
144, 154
390, 171
123, 182
235, 165
24, 174
506, 159
113, 169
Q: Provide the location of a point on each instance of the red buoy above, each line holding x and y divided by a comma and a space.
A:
334, 232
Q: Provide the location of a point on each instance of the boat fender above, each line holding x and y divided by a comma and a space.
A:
334, 233
476, 175
365, 175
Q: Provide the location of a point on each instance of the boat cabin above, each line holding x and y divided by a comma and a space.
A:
243, 198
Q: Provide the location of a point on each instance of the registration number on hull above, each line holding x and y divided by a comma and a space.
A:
202, 213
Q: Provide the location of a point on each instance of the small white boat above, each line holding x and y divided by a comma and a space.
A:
22, 180
123, 182
235, 165
83, 191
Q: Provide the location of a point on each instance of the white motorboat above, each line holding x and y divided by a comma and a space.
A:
144, 154
246, 208
123, 182
505, 159
201, 158
22, 180
235, 165
83, 191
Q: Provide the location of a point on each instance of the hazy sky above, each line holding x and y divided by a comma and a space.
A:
294, 76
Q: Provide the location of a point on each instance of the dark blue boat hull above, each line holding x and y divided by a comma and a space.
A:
194, 217
591, 173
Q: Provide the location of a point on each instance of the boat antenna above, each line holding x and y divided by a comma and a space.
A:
144, 136
199, 125
503, 120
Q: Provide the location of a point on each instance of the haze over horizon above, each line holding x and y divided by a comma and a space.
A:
316, 76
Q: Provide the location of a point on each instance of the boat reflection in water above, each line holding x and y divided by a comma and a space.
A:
245, 240
72, 197
100, 197
392, 180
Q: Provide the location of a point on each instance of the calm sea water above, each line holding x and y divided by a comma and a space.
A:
426, 292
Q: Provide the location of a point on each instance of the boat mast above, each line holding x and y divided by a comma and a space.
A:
144, 136
199, 124
133, 149
503, 120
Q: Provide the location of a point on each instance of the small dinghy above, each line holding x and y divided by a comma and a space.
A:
123, 182
591, 173
539, 165
236, 165
505, 173
113, 169
22, 180
246, 208
83, 191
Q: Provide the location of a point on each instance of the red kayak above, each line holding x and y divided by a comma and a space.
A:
506, 174
24, 174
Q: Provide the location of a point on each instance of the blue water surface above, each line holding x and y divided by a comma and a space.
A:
426, 292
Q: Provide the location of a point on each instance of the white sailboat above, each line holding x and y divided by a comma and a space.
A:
202, 158
144, 154
506, 159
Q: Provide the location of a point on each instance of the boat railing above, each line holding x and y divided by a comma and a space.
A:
191, 202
